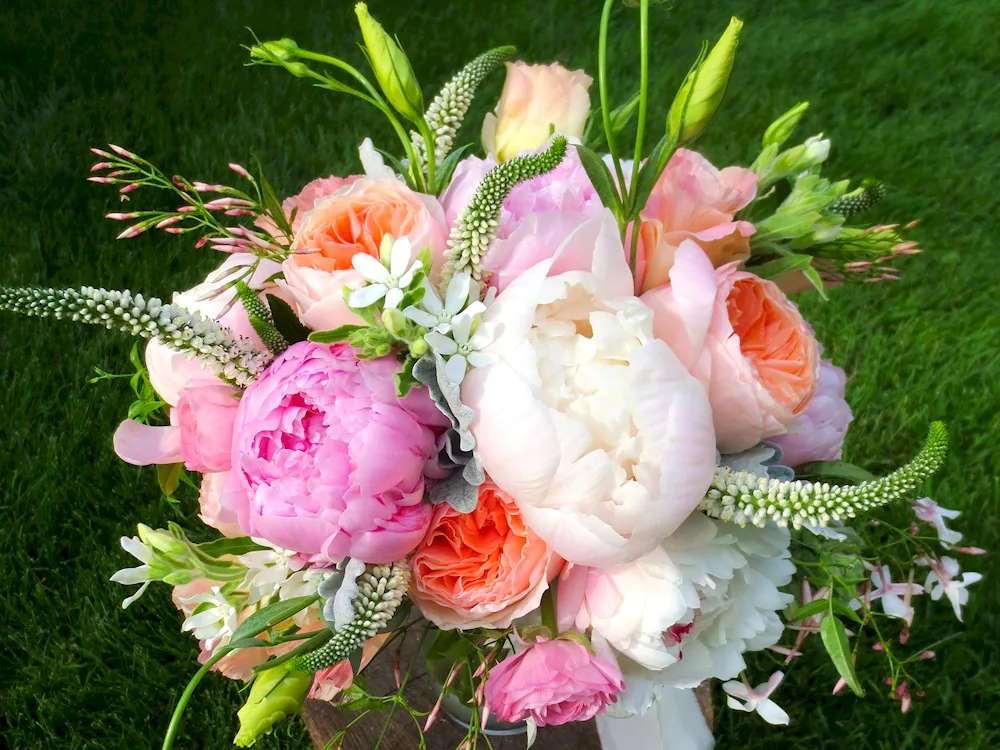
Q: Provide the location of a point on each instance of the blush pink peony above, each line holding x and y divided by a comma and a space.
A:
328, 461
211, 511
746, 342
693, 200
818, 435
553, 683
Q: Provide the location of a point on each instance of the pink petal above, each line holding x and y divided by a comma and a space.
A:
142, 444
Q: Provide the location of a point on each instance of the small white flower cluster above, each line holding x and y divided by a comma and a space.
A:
213, 618
388, 279
175, 327
275, 572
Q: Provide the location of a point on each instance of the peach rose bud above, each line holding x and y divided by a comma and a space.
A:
537, 100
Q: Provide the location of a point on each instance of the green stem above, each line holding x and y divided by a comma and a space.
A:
548, 607
175, 720
349, 69
602, 84
428, 137
643, 90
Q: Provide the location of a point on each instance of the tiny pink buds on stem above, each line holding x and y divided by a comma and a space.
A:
204, 187
239, 212
841, 684
970, 550
226, 203
133, 231
185, 210
100, 165
179, 182
928, 654
100, 180
123, 152
200, 244
174, 230
878, 647
168, 221
913, 223
129, 188
99, 152
121, 217
860, 265
240, 171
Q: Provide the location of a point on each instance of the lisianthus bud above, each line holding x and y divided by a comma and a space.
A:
276, 693
779, 130
702, 92
283, 49
162, 541
391, 67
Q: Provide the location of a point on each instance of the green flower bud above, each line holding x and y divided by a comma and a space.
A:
394, 321
391, 67
419, 348
276, 693
702, 91
282, 49
779, 130
163, 541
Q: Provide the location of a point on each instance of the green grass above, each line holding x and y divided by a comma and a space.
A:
908, 91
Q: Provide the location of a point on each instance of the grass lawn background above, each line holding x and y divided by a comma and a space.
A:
907, 90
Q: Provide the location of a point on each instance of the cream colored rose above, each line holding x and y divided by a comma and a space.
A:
536, 100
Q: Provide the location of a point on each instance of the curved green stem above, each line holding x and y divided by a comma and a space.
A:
175, 720
349, 69
602, 84
428, 137
640, 132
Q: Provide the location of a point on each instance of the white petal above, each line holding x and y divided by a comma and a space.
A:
476, 308
208, 618
458, 293
407, 278
420, 317
393, 297
367, 295
369, 267
483, 336
736, 689
462, 327
431, 300
772, 713
131, 576
372, 161
455, 369
441, 344
136, 595
134, 546
402, 254
736, 705
478, 359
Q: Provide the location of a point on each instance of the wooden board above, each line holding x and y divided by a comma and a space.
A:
324, 720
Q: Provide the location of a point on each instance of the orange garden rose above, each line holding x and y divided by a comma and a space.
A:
742, 337
481, 569
352, 220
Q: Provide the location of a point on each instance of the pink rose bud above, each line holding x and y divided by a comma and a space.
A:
553, 682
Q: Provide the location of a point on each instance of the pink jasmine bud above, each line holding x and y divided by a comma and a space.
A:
133, 231
178, 182
396, 670
904, 635
970, 550
117, 173
874, 280
168, 221
204, 187
123, 152
99, 152
227, 241
928, 654
226, 202
485, 715
240, 171
174, 230
858, 265
239, 212
101, 180
913, 528
911, 251
121, 217
878, 647
913, 223
890, 277
129, 188
841, 684
186, 209
904, 246
200, 244
921, 693
886, 227
100, 165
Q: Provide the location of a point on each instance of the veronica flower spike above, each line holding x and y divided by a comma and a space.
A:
386, 280
757, 699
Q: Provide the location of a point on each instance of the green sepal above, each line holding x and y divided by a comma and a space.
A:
335, 335
404, 379
286, 321
601, 179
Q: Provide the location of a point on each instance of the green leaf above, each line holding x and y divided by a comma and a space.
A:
841, 470
269, 616
834, 637
775, 268
811, 609
226, 546
621, 115
649, 173
844, 610
168, 477
404, 378
600, 177
447, 167
273, 206
334, 335
286, 321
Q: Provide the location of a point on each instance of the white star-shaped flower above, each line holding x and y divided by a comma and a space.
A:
214, 624
389, 282
140, 574
439, 316
462, 349
757, 699
943, 581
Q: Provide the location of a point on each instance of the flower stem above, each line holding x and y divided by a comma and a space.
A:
548, 607
602, 84
428, 137
175, 720
640, 132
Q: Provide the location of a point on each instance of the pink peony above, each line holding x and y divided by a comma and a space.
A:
743, 339
565, 189
205, 412
818, 435
553, 682
327, 461
693, 200
212, 513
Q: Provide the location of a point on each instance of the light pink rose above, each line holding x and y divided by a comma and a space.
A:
693, 200
311, 194
818, 435
536, 100
206, 411
567, 189
553, 683
351, 220
745, 341
168, 369
591, 424
328, 461
212, 513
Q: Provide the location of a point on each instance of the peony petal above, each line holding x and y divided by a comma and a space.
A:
142, 444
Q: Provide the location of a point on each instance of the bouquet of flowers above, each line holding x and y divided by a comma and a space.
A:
548, 411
